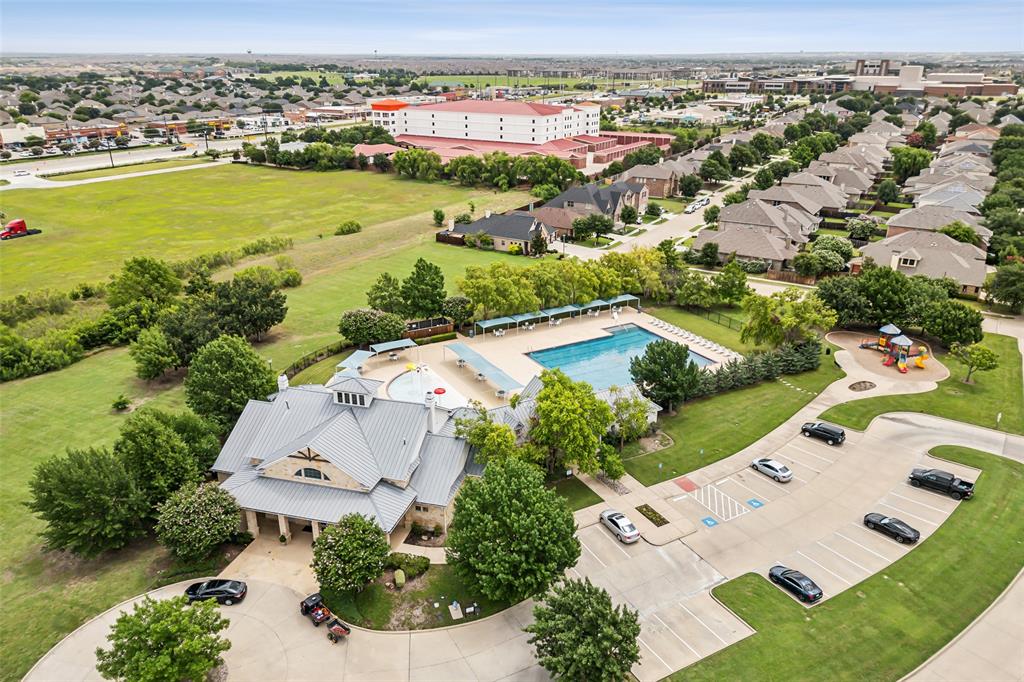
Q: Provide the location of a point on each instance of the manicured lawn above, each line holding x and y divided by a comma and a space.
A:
887, 625
707, 430
88, 230
728, 336
412, 607
129, 168
321, 371
832, 231
978, 403
673, 205
577, 494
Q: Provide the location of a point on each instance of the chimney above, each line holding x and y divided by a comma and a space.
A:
451, 224
431, 402
487, 213
282, 382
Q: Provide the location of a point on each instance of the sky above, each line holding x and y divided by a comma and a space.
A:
520, 27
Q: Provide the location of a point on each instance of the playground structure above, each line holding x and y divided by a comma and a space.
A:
896, 348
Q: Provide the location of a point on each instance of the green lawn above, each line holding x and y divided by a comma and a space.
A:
376, 606
128, 168
707, 430
887, 625
89, 229
978, 403
321, 371
835, 232
728, 336
577, 494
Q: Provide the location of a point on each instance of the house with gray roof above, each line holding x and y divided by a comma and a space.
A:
932, 254
606, 199
956, 195
749, 243
933, 218
309, 455
792, 224
508, 230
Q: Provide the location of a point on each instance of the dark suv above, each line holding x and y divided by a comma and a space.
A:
802, 587
833, 435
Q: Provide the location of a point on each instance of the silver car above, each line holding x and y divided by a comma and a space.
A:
620, 526
772, 469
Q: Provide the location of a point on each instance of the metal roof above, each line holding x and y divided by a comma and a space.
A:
596, 303
571, 309
355, 360
623, 298
494, 322
236, 448
353, 384
394, 431
442, 462
524, 317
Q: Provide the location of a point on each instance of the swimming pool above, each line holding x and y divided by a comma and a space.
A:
604, 361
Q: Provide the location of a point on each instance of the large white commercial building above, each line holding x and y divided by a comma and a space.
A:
489, 120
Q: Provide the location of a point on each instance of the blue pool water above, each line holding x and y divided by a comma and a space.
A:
604, 361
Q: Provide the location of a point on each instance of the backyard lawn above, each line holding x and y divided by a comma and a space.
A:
128, 168
89, 229
710, 429
998, 391
887, 625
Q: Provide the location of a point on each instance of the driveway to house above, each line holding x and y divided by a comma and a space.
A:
725, 521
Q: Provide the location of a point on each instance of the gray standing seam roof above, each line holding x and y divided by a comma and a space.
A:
442, 461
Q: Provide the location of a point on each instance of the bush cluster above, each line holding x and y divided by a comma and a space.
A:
436, 338
758, 367
218, 259
26, 306
414, 565
20, 357
348, 227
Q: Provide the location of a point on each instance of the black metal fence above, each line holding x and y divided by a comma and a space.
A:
718, 318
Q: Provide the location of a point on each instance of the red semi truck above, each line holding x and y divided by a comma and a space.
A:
17, 228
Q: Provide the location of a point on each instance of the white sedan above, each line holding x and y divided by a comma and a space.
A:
621, 526
772, 469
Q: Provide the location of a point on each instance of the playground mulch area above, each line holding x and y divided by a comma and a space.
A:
871, 359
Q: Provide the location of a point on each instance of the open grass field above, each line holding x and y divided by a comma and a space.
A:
128, 168
992, 393
887, 625
707, 430
88, 230
577, 494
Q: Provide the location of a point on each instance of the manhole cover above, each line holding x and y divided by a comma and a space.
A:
862, 386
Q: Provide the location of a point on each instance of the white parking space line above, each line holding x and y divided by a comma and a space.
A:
596, 558
772, 483
719, 503
823, 568
743, 486
865, 548
808, 452
697, 618
845, 558
906, 513
648, 647
793, 459
926, 506
673, 633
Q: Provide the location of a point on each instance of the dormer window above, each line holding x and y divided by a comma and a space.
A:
908, 262
346, 398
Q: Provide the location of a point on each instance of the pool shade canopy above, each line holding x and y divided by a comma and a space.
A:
484, 366
495, 322
392, 345
356, 360
562, 310
624, 298
596, 303
526, 317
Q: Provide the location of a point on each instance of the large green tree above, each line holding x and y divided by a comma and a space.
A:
694, 289
888, 191
350, 554
156, 456
143, 279
361, 326
785, 316
163, 641
629, 412
248, 307
89, 501
511, 537
666, 374
423, 290
579, 634
386, 294
908, 161
731, 284
225, 375
569, 422
1007, 286
196, 519
952, 322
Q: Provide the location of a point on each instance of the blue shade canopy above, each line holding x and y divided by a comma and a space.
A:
890, 329
392, 345
484, 366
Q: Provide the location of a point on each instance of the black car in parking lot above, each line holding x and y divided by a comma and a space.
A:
833, 435
943, 482
226, 592
893, 527
796, 582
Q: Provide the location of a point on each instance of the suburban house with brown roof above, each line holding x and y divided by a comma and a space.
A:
661, 180
748, 243
932, 219
932, 254
785, 221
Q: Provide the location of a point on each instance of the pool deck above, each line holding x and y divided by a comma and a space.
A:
509, 352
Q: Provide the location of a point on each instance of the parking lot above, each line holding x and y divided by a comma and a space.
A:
669, 586
814, 523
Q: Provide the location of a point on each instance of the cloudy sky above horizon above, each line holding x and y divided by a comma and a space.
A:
453, 27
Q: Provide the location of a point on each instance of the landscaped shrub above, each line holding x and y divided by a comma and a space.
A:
413, 565
196, 519
515, 250
448, 336
753, 267
348, 227
399, 578
21, 357
758, 367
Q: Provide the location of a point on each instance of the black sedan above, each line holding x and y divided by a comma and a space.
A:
796, 582
893, 527
226, 592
